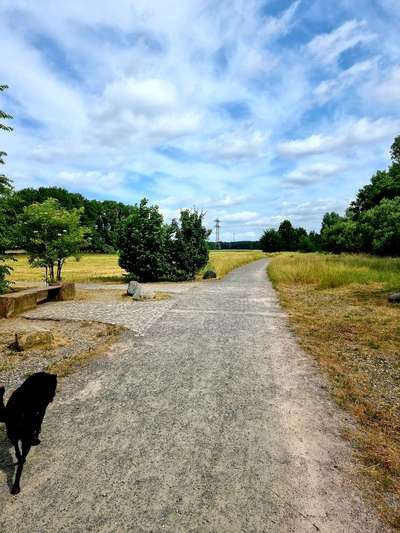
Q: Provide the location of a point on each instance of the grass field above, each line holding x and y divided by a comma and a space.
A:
222, 262
338, 307
104, 267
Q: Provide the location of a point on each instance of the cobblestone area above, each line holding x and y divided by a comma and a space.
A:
163, 286
136, 316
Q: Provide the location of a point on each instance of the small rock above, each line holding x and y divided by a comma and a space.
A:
208, 274
134, 290
394, 298
28, 339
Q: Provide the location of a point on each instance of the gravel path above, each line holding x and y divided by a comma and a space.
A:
213, 420
136, 316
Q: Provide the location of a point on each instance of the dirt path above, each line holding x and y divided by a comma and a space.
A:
212, 420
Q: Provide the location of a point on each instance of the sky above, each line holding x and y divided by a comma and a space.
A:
250, 110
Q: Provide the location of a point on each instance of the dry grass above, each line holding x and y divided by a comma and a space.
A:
354, 333
104, 267
223, 261
91, 267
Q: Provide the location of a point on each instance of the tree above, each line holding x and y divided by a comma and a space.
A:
102, 217
342, 236
51, 234
287, 235
380, 228
5, 188
142, 243
395, 151
5, 183
188, 250
271, 241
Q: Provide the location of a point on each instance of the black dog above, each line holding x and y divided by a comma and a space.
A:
24, 415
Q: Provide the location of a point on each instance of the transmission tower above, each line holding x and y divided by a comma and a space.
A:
217, 228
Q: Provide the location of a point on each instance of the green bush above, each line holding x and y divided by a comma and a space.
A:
188, 250
150, 250
142, 243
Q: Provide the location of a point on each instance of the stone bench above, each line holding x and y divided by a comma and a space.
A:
13, 304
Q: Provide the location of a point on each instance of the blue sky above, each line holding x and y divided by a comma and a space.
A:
253, 111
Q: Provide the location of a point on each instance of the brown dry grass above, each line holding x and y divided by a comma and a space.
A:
354, 333
104, 267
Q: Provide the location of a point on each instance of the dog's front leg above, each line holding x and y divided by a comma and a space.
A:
26, 446
37, 422
17, 451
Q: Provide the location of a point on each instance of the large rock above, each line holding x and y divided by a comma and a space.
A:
394, 298
209, 274
29, 339
135, 290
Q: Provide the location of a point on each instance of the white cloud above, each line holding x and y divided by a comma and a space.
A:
386, 90
327, 47
314, 172
347, 136
330, 88
139, 96
241, 216
90, 178
238, 145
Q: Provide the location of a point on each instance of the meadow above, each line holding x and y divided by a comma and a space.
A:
338, 308
104, 267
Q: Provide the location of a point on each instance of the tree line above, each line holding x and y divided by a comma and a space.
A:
370, 225
101, 217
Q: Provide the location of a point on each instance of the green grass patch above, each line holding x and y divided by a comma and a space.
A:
223, 261
330, 271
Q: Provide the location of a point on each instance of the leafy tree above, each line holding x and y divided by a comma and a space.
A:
5, 183
5, 189
271, 241
51, 234
380, 227
395, 151
342, 236
287, 235
304, 243
102, 217
142, 243
384, 184
188, 251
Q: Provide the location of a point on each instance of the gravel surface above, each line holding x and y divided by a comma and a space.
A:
134, 315
213, 420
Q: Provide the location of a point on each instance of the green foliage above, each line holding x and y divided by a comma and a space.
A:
50, 234
150, 250
288, 238
142, 243
5, 189
5, 183
395, 151
270, 241
385, 184
188, 251
342, 236
102, 217
380, 227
